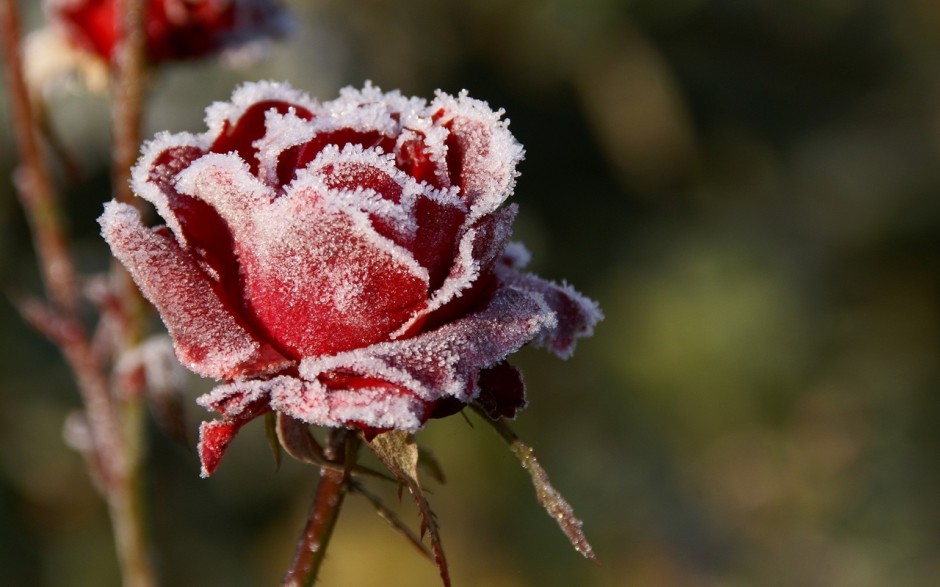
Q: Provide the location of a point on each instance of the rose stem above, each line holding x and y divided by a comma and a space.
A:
343, 448
126, 501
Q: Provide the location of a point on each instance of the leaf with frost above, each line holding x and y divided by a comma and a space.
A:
548, 497
399, 453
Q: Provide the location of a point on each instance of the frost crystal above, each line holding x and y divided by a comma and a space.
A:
345, 263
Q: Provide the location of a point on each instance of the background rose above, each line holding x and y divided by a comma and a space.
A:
343, 263
176, 29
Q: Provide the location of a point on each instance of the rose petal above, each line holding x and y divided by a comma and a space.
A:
374, 185
320, 278
207, 335
482, 154
502, 391
446, 361
241, 135
332, 400
226, 183
367, 403
416, 157
221, 117
469, 279
576, 313
239, 403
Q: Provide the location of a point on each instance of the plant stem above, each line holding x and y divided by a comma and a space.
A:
126, 500
33, 178
129, 72
342, 449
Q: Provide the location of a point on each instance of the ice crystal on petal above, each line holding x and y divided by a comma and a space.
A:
446, 361
482, 154
282, 131
577, 314
516, 255
207, 337
220, 115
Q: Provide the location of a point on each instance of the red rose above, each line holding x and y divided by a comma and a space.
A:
176, 29
344, 263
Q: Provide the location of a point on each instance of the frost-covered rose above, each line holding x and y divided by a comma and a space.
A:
175, 29
344, 263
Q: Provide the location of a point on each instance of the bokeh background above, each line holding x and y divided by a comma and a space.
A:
751, 191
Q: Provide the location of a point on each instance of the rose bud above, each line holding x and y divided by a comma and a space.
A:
344, 263
175, 29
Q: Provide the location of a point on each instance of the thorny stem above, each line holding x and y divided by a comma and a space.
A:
343, 449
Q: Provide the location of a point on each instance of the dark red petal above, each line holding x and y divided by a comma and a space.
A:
446, 407
299, 156
413, 157
435, 241
353, 175
502, 391
214, 438
470, 281
360, 175
206, 235
239, 403
207, 334
239, 136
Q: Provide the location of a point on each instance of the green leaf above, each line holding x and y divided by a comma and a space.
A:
399, 453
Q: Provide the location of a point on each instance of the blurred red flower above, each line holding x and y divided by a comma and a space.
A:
344, 263
176, 29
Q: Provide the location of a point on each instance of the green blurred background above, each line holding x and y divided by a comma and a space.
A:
749, 188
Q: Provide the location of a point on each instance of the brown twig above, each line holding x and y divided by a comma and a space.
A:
33, 179
342, 449
129, 74
126, 500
